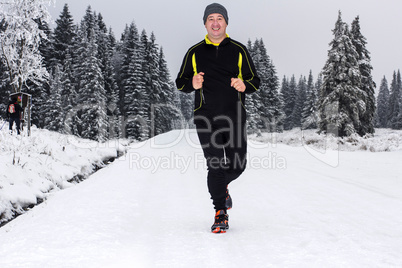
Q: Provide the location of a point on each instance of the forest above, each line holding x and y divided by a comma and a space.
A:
96, 86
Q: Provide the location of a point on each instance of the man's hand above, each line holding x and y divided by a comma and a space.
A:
198, 80
238, 84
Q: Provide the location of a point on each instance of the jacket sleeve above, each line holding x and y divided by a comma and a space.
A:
249, 73
184, 80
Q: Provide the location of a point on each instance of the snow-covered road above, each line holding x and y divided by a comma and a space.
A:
152, 209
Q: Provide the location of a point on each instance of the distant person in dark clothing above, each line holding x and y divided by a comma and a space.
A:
14, 111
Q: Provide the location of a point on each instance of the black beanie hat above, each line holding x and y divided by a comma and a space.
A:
216, 8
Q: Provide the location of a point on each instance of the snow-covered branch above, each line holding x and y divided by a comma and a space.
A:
20, 37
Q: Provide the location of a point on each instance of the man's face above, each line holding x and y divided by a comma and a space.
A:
216, 27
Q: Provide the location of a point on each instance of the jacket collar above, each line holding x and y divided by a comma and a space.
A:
208, 42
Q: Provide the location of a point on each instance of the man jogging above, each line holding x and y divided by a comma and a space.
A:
220, 71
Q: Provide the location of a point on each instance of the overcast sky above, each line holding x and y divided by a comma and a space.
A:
295, 32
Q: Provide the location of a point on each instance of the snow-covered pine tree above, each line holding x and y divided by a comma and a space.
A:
300, 101
141, 102
318, 85
111, 88
91, 99
253, 102
134, 96
367, 83
398, 124
5, 89
102, 40
41, 91
169, 109
341, 101
186, 108
68, 92
46, 44
106, 43
309, 114
271, 104
89, 23
64, 43
125, 67
383, 104
21, 39
283, 91
395, 102
288, 91
153, 85
54, 120
117, 63
63, 35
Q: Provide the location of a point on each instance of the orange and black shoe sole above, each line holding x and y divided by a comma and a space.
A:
219, 230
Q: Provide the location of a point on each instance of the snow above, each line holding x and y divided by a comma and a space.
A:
43, 162
383, 140
151, 208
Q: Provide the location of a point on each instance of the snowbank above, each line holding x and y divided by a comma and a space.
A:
31, 167
383, 140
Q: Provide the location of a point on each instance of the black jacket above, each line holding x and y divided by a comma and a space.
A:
17, 108
220, 63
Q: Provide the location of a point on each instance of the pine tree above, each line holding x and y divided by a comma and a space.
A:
271, 105
106, 43
141, 101
309, 114
288, 91
153, 85
63, 35
169, 110
265, 107
136, 98
398, 124
125, 68
89, 23
395, 102
102, 42
91, 109
341, 102
41, 91
54, 118
254, 100
5, 90
186, 108
383, 104
46, 43
301, 97
117, 64
68, 93
318, 84
111, 88
367, 83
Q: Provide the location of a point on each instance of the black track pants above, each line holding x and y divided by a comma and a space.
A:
225, 149
17, 124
